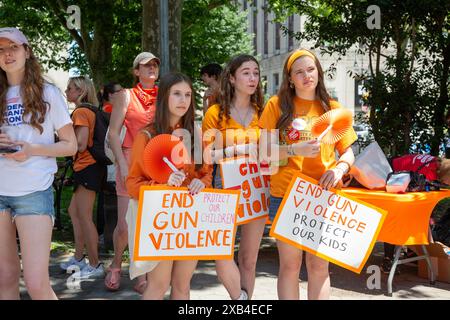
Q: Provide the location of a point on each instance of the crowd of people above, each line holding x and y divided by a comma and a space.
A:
33, 110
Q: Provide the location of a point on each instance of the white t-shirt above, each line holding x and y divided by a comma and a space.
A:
37, 172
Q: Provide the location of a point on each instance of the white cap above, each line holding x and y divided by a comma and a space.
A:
143, 58
13, 34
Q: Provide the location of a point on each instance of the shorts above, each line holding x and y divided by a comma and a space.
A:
217, 178
38, 203
121, 189
275, 203
93, 177
215, 165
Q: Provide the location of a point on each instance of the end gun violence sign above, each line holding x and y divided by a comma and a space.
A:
240, 174
171, 224
328, 224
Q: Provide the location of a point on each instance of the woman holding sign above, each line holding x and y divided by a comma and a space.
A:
302, 97
232, 125
175, 107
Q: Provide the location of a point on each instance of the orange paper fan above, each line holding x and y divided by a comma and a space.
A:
332, 125
160, 147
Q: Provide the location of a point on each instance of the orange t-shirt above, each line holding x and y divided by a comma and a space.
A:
84, 117
232, 131
138, 176
313, 167
137, 117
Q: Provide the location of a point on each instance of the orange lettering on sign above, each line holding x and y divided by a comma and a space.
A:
163, 224
300, 186
156, 243
165, 200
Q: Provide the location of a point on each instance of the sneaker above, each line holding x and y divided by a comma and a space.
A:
243, 295
73, 262
386, 266
90, 272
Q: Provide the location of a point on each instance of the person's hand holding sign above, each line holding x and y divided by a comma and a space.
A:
176, 178
196, 186
331, 178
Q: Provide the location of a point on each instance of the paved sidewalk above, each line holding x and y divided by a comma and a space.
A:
345, 284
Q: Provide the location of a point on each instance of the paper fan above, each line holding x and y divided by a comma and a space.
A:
332, 125
157, 149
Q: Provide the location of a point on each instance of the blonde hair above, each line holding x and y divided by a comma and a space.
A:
86, 86
444, 169
31, 91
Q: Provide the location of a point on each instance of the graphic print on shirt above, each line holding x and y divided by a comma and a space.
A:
13, 115
299, 129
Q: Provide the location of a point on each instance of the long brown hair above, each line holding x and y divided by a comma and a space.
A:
31, 92
286, 94
161, 123
226, 92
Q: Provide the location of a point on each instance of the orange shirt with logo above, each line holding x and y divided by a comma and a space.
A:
308, 110
83, 117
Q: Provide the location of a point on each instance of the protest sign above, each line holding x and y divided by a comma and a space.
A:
173, 225
241, 174
328, 224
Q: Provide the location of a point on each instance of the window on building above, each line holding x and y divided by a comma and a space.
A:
255, 30
291, 30
244, 5
276, 83
266, 29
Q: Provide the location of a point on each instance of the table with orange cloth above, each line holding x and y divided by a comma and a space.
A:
406, 223
408, 214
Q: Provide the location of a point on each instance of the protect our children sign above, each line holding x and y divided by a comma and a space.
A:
240, 174
328, 224
173, 225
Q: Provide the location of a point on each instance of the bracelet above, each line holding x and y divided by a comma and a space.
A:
347, 163
343, 172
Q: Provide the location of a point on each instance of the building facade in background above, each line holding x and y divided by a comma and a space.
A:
272, 47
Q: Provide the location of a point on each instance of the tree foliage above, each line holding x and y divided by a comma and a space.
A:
110, 34
212, 32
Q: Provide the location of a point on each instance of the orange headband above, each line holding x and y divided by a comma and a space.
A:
297, 54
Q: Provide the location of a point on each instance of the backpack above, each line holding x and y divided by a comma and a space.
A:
97, 150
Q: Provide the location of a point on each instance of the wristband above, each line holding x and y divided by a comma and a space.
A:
346, 162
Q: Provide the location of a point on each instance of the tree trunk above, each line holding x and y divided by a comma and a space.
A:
150, 27
94, 40
175, 8
98, 51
